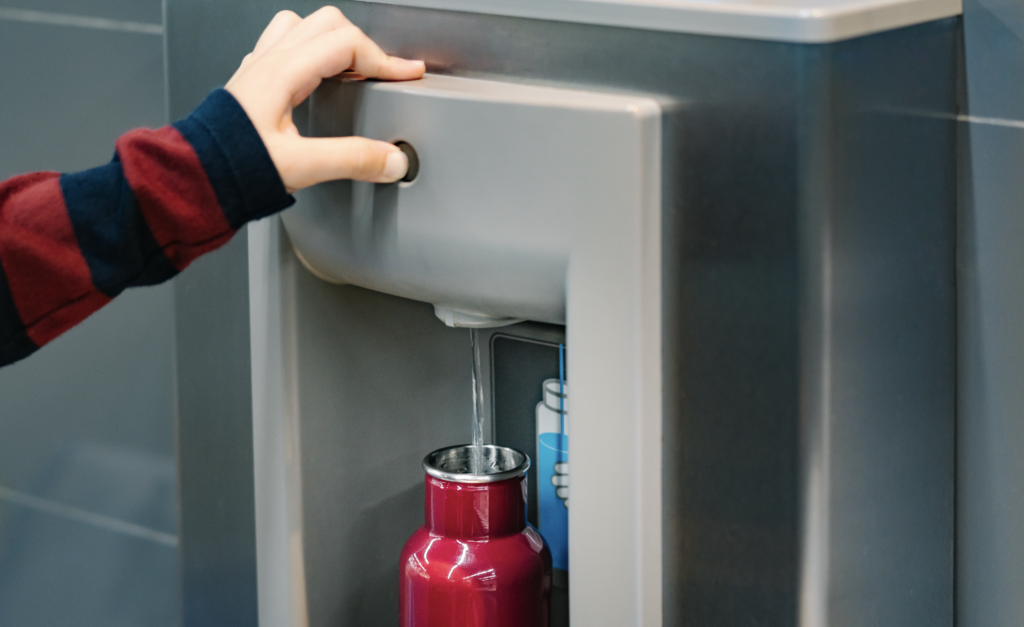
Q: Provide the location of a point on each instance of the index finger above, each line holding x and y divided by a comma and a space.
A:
322, 20
278, 27
348, 48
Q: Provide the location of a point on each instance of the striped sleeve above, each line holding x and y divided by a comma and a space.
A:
69, 243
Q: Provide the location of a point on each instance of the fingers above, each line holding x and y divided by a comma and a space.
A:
392, 69
317, 23
288, 29
306, 161
348, 48
290, 59
367, 59
283, 22
339, 50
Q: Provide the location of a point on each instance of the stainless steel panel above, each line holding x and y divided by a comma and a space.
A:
215, 446
824, 21
808, 279
990, 557
878, 332
205, 43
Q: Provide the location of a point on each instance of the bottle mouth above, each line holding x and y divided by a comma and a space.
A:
453, 464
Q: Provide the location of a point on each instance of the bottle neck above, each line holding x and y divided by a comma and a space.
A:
475, 510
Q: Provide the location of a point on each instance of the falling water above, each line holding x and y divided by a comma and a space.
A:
476, 460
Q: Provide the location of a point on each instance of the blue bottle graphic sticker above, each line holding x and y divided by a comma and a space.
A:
553, 469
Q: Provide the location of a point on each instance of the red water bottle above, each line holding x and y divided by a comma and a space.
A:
475, 562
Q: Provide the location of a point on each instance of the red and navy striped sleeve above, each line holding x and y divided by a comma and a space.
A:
69, 243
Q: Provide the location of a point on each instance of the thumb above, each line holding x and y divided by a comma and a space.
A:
305, 161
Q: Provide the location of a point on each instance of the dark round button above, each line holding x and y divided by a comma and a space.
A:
414, 161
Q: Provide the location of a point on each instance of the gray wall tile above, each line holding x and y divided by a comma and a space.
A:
994, 38
67, 93
56, 572
87, 422
110, 379
146, 11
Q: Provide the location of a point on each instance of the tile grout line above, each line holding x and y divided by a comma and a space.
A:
990, 121
961, 117
89, 518
80, 21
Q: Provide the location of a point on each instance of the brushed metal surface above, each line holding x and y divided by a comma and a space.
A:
214, 441
214, 397
798, 21
878, 334
990, 507
809, 306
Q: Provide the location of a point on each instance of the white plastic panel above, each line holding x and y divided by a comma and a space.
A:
801, 21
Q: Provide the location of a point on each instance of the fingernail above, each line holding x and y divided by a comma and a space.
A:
395, 166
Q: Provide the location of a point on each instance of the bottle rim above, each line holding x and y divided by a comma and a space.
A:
452, 463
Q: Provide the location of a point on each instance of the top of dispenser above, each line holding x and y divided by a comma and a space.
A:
799, 21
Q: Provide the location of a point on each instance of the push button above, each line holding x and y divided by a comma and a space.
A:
414, 161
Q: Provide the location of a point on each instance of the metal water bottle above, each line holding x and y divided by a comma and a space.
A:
475, 562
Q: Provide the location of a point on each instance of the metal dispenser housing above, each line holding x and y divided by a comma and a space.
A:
740, 218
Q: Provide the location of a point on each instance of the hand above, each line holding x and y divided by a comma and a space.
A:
290, 60
560, 479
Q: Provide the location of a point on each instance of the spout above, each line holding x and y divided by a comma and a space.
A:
471, 319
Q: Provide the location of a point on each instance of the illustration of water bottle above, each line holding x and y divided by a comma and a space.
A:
553, 470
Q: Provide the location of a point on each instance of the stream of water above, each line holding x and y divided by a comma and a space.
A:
476, 460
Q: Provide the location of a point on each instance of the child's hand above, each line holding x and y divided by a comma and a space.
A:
291, 58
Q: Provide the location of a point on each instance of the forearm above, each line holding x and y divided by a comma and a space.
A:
70, 243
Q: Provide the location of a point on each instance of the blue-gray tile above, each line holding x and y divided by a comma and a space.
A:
994, 42
148, 11
55, 571
87, 422
109, 380
67, 93
124, 484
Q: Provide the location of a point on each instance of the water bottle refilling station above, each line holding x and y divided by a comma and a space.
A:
556, 221
709, 250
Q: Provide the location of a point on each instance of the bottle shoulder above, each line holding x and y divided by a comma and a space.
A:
476, 562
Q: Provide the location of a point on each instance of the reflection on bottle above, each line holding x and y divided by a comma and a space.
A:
553, 470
